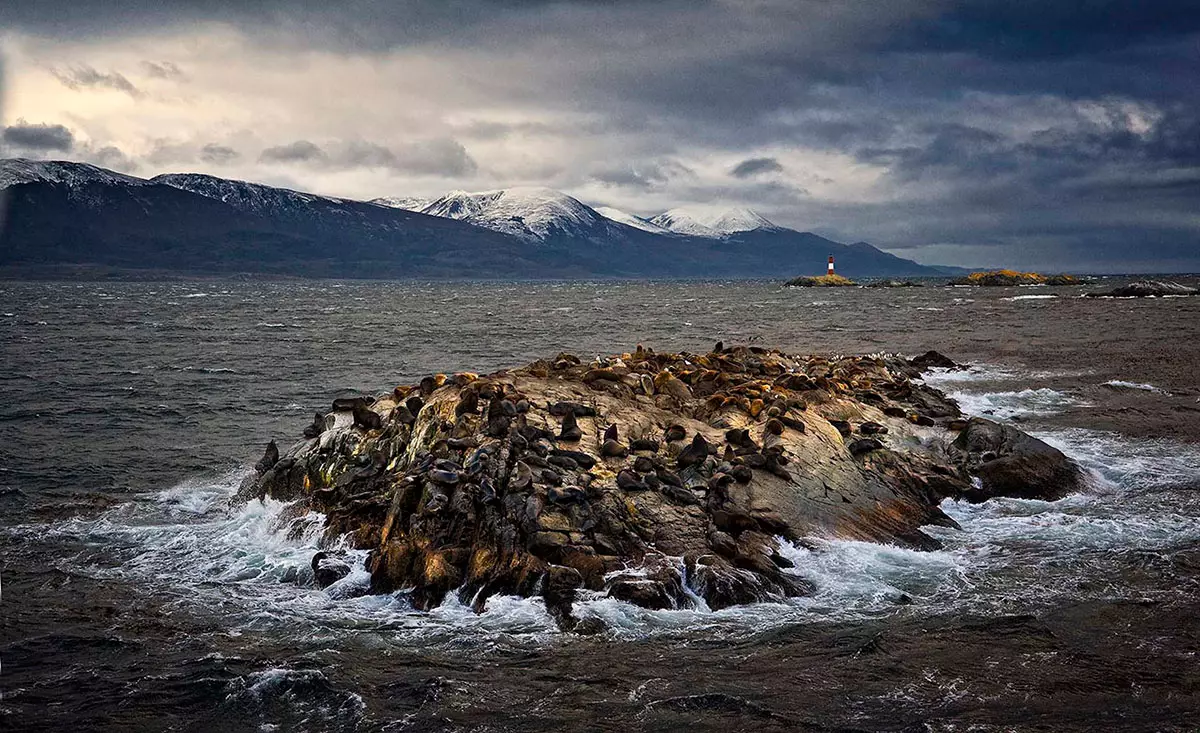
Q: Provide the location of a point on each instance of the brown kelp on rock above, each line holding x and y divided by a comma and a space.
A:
651, 477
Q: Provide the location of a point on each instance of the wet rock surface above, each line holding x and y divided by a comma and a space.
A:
664, 480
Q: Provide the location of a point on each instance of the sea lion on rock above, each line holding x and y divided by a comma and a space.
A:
570, 431
468, 403
347, 404
316, 428
613, 449
328, 569
414, 404
695, 453
269, 459
580, 458
560, 409
644, 444
643, 464
629, 481
864, 445
667, 383
366, 418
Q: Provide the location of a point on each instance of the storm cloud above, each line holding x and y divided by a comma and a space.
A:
437, 157
40, 137
218, 154
300, 151
756, 166
987, 132
85, 77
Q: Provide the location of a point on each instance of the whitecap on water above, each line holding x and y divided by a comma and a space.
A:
1141, 386
939, 376
1126, 462
288, 699
1016, 404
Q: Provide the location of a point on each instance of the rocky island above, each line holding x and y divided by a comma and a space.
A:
820, 281
1146, 289
1002, 278
665, 480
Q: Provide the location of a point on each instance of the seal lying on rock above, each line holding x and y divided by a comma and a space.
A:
658, 479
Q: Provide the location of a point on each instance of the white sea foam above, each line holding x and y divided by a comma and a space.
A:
1030, 297
1016, 404
1145, 387
939, 376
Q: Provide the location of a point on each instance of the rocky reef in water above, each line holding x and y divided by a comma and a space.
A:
1001, 278
664, 480
820, 281
1146, 289
894, 284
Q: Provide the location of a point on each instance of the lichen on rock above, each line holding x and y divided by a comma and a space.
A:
663, 480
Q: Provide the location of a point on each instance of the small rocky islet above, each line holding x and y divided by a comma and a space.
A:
821, 281
667, 480
1009, 278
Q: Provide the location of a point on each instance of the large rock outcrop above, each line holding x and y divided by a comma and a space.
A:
665, 480
1008, 462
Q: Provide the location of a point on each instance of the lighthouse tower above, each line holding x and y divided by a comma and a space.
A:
829, 271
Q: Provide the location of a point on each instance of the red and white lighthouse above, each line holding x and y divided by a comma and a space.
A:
829, 271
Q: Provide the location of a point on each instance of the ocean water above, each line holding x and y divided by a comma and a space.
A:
135, 598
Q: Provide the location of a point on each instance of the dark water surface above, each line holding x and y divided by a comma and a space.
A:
135, 598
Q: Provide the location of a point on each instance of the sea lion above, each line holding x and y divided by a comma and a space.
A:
570, 429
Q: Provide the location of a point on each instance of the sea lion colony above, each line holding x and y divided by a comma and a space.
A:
665, 480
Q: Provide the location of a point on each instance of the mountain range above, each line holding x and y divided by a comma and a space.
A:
59, 216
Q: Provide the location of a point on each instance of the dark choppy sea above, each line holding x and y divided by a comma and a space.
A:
134, 598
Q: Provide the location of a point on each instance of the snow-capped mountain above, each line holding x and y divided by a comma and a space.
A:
623, 217
704, 221
530, 213
242, 195
20, 170
408, 203
72, 215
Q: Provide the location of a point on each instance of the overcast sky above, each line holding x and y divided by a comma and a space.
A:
1047, 134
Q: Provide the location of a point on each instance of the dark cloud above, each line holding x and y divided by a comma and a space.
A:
1023, 29
38, 138
436, 157
86, 77
756, 166
218, 154
300, 151
110, 156
1022, 131
163, 70
643, 175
